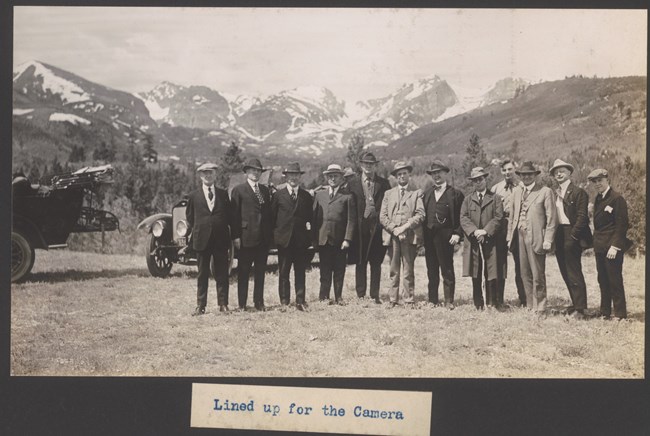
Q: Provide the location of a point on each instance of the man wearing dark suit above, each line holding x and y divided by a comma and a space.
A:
252, 232
442, 231
572, 235
334, 227
208, 222
291, 211
368, 246
610, 243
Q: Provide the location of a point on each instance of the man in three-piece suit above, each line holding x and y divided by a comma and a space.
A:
610, 243
572, 235
208, 221
481, 217
401, 215
291, 211
368, 248
442, 232
533, 221
252, 232
334, 226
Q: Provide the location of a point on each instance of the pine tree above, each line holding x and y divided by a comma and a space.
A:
231, 162
514, 151
149, 154
355, 150
475, 155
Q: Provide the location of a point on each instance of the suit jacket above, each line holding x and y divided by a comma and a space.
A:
410, 206
290, 218
487, 216
541, 216
251, 221
355, 186
334, 219
202, 223
610, 222
575, 203
455, 199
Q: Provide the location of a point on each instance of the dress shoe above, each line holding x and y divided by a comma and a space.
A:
377, 300
301, 307
223, 308
450, 306
340, 302
568, 311
481, 307
260, 308
199, 311
392, 305
578, 314
242, 308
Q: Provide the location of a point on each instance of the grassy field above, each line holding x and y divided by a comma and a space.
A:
91, 314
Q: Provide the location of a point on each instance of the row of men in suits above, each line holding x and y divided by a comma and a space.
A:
360, 219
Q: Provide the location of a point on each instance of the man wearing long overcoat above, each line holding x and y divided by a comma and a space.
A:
572, 236
291, 211
481, 217
252, 232
368, 248
533, 221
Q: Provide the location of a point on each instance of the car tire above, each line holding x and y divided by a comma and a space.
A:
22, 256
158, 263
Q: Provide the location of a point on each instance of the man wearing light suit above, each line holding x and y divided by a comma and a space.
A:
401, 215
533, 221
252, 232
291, 211
334, 227
208, 220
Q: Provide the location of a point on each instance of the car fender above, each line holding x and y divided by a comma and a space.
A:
148, 222
30, 231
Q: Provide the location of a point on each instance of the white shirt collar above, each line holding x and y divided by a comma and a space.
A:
205, 188
605, 193
442, 187
333, 191
290, 189
482, 192
366, 178
251, 183
564, 185
529, 187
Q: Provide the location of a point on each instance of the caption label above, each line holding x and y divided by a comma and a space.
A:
353, 411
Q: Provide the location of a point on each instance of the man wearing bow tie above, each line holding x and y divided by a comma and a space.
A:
252, 232
442, 232
573, 234
610, 243
208, 221
401, 215
291, 211
532, 225
504, 189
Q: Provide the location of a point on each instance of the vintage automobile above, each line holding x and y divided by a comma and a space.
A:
43, 216
168, 240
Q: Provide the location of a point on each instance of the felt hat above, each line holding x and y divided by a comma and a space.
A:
254, 163
400, 165
368, 157
437, 165
292, 167
559, 163
527, 168
477, 172
333, 169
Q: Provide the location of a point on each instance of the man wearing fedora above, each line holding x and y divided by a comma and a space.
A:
532, 225
291, 212
481, 217
610, 243
208, 221
572, 236
334, 221
442, 231
252, 232
504, 189
401, 215
368, 247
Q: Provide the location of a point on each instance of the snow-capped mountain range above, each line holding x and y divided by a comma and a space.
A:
309, 120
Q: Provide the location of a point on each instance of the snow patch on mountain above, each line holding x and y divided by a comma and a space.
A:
70, 118
22, 111
155, 111
68, 91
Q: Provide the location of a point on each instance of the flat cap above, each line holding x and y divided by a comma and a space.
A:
597, 174
207, 166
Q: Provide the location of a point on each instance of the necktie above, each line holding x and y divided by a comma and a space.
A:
210, 194
258, 194
331, 194
480, 198
293, 195
509, 185
526, 192
438, 188
401, 193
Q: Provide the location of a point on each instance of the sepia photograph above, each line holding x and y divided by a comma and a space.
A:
323, 192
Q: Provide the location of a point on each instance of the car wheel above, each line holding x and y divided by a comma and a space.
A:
158, 262
22, 257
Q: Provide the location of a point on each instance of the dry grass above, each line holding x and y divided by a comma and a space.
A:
91, 314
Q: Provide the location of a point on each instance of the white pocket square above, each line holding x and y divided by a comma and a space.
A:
609, 209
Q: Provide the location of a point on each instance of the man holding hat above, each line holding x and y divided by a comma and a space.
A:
610, 243
209, 226
334, 226
481, 217
442, 231
572, 235
252, 232
532, 225
401, 215
291, 212
369, 192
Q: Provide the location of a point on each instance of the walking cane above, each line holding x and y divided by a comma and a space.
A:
483, 279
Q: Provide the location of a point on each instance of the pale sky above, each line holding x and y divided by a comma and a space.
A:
356, 53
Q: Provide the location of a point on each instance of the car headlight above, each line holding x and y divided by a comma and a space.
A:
157, 228
181, 228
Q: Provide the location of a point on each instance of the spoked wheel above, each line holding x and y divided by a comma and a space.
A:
22, 257
158, 262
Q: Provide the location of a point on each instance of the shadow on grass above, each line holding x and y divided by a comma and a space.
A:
76, 275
